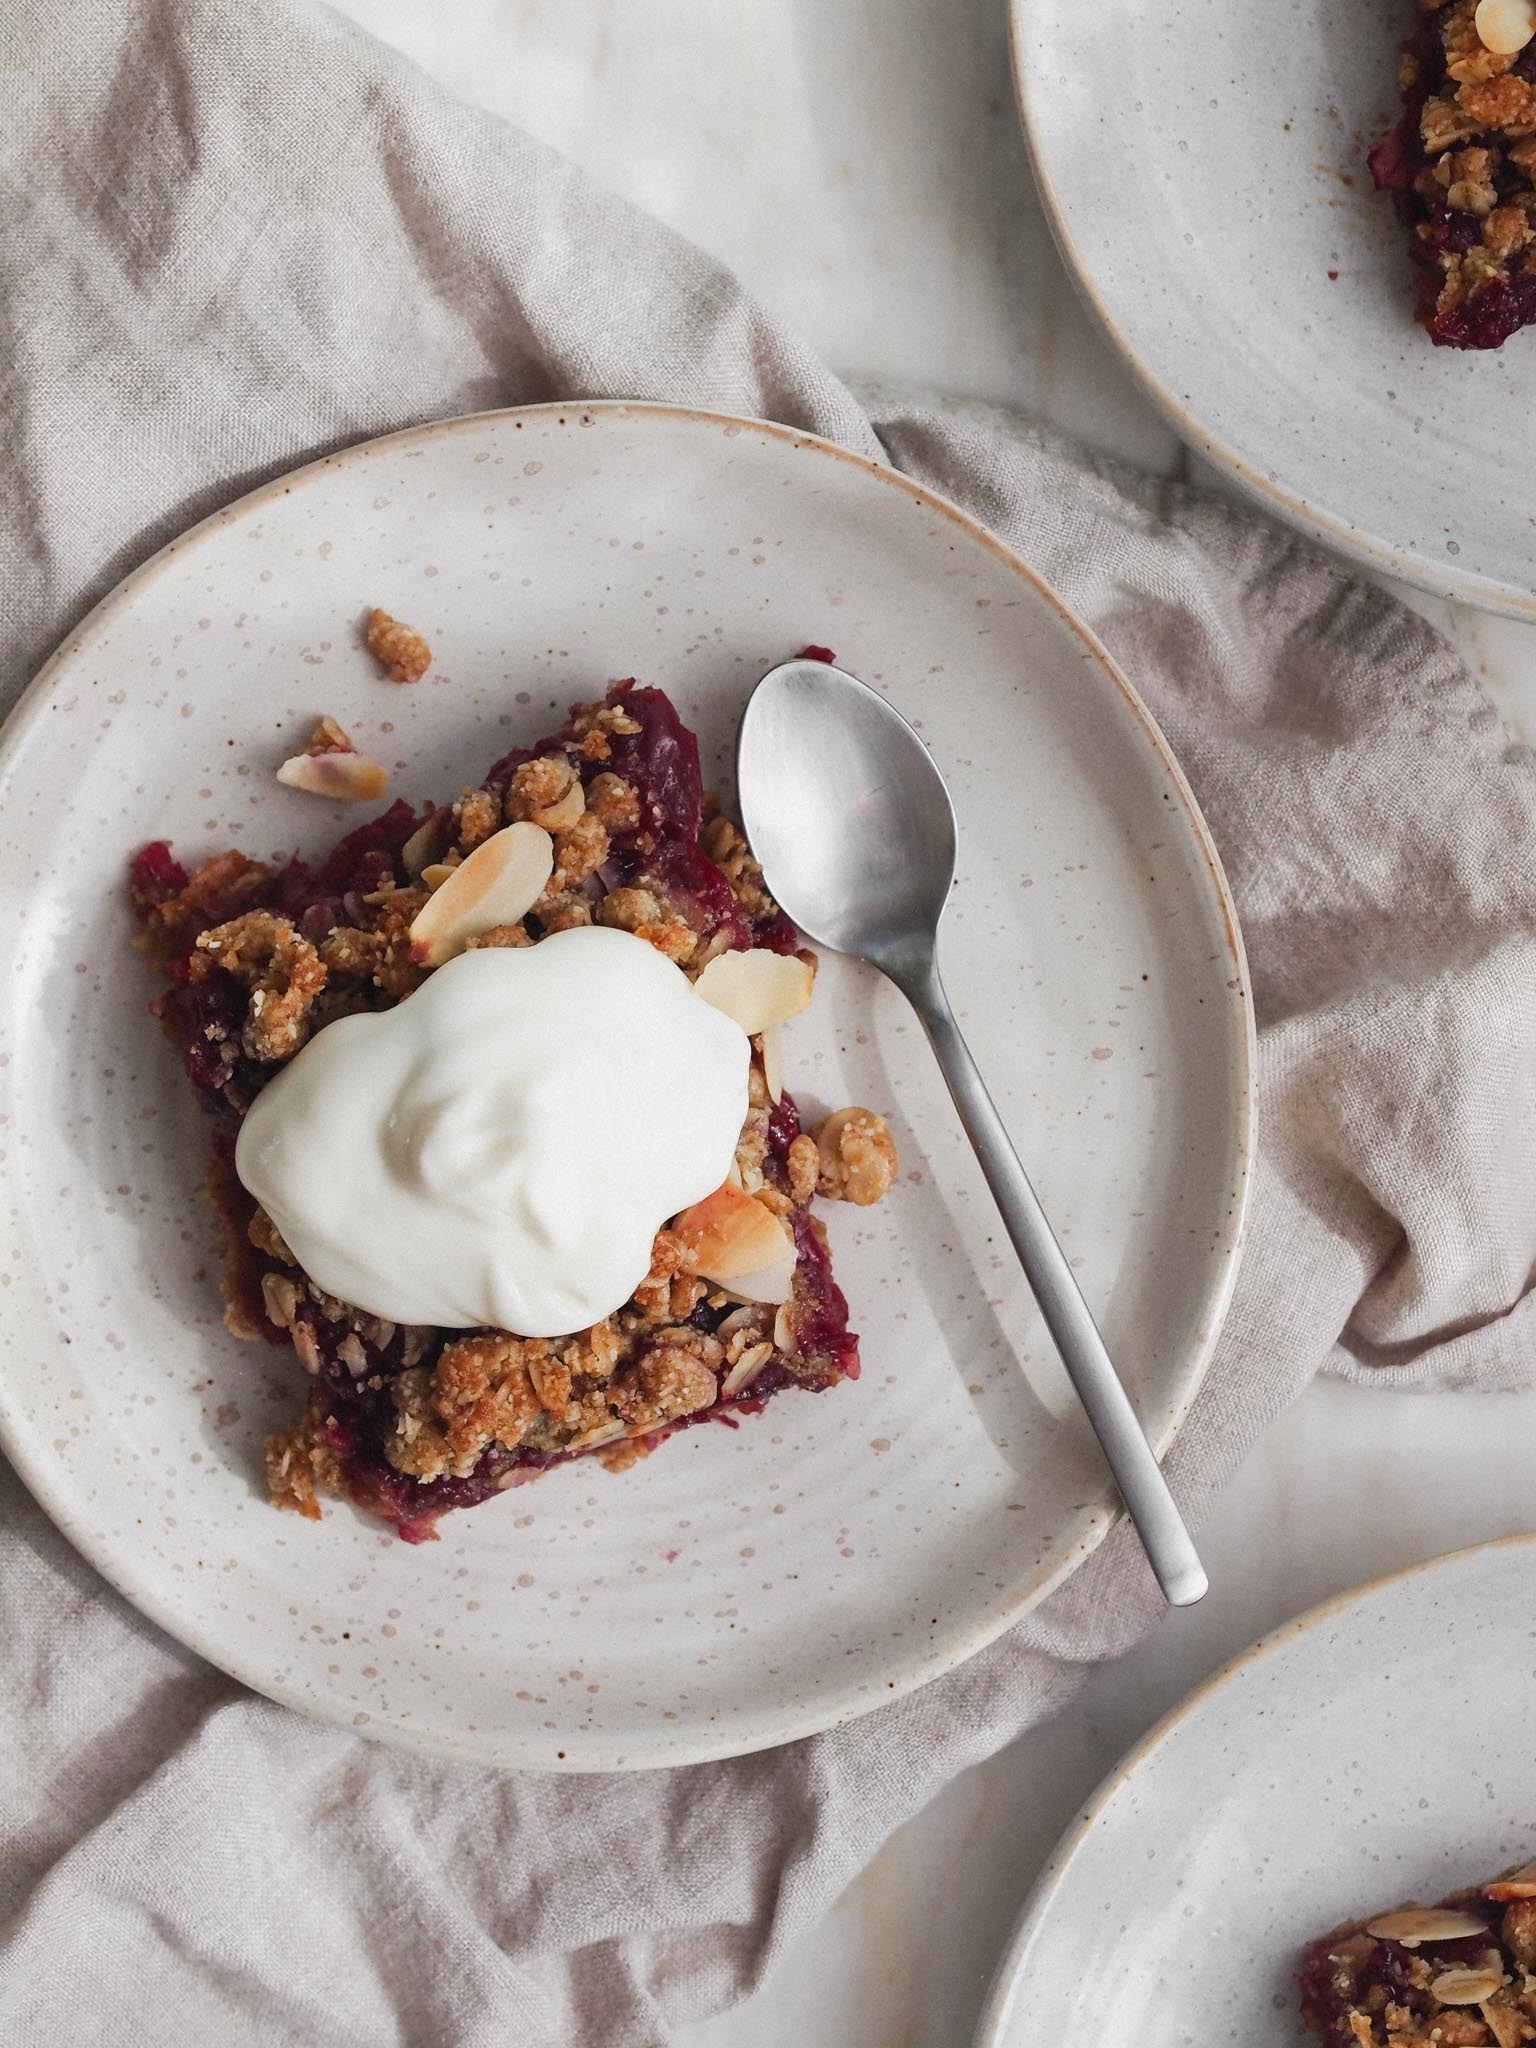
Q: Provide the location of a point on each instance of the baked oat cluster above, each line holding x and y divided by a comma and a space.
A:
1458, 1975
1462, 166
410, 1422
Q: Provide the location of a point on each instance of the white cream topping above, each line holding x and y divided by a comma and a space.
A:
502, 1147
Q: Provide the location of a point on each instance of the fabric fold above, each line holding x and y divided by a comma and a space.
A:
233, 238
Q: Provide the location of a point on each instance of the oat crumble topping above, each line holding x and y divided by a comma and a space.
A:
399, 650
1461, 164
1458, 1975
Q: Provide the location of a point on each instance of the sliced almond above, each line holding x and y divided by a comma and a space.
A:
599, 1433
728, 1235
499, 884
784, 1335
345, 778
745, 1370
1519, 1884
770, 1044
436, 872
1466, 1987
771, 1285
1426, 1923
419, 847
757, 988
561, 815
1505, 26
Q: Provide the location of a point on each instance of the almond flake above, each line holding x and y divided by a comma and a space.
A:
422, 842
745, 1370
1466, 1987
1425, 1923
345, 778
771, 1285
561, 815
757, 988
1505, 26
1518, 1884
728, 1235
499, 883
769, 1043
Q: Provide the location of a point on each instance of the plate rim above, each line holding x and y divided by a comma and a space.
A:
1336, 533
1069, 1844
1102, 1511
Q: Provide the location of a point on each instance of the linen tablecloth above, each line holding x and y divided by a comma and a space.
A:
233, 237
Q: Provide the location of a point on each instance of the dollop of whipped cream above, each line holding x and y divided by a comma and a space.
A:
501, 1148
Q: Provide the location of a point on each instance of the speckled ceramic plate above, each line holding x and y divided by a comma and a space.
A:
1203, 167
1376, 1750
741, 1587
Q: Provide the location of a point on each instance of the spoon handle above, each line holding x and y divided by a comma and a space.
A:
1142, 1486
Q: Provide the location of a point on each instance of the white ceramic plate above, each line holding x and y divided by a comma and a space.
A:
740, 1588
1203, 167
1376, 1750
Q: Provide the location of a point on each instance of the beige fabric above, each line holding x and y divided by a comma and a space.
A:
231, 236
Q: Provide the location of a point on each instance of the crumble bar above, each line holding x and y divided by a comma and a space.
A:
411, 1422
1461, 164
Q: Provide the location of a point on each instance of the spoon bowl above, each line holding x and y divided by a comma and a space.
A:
851, 820
845, 809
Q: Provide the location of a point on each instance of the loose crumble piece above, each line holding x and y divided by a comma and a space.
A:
1461, 1974
410, 1422
400, 650
1461, 164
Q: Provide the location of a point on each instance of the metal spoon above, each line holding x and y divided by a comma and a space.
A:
856, 834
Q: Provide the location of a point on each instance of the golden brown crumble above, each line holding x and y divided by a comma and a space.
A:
857, 1156
564, 911
667, 1294
300, 1463
399, 649
477, 815
545, 791
727, 848
619, 1457
168, 924
674, 1376
639, 911
580, 851
1467, 61
1519, 1932
380, 955
752, 1147
613, 802
803, 1168
1476, 126
282, 970
447, 1416
592, 725
499, 935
